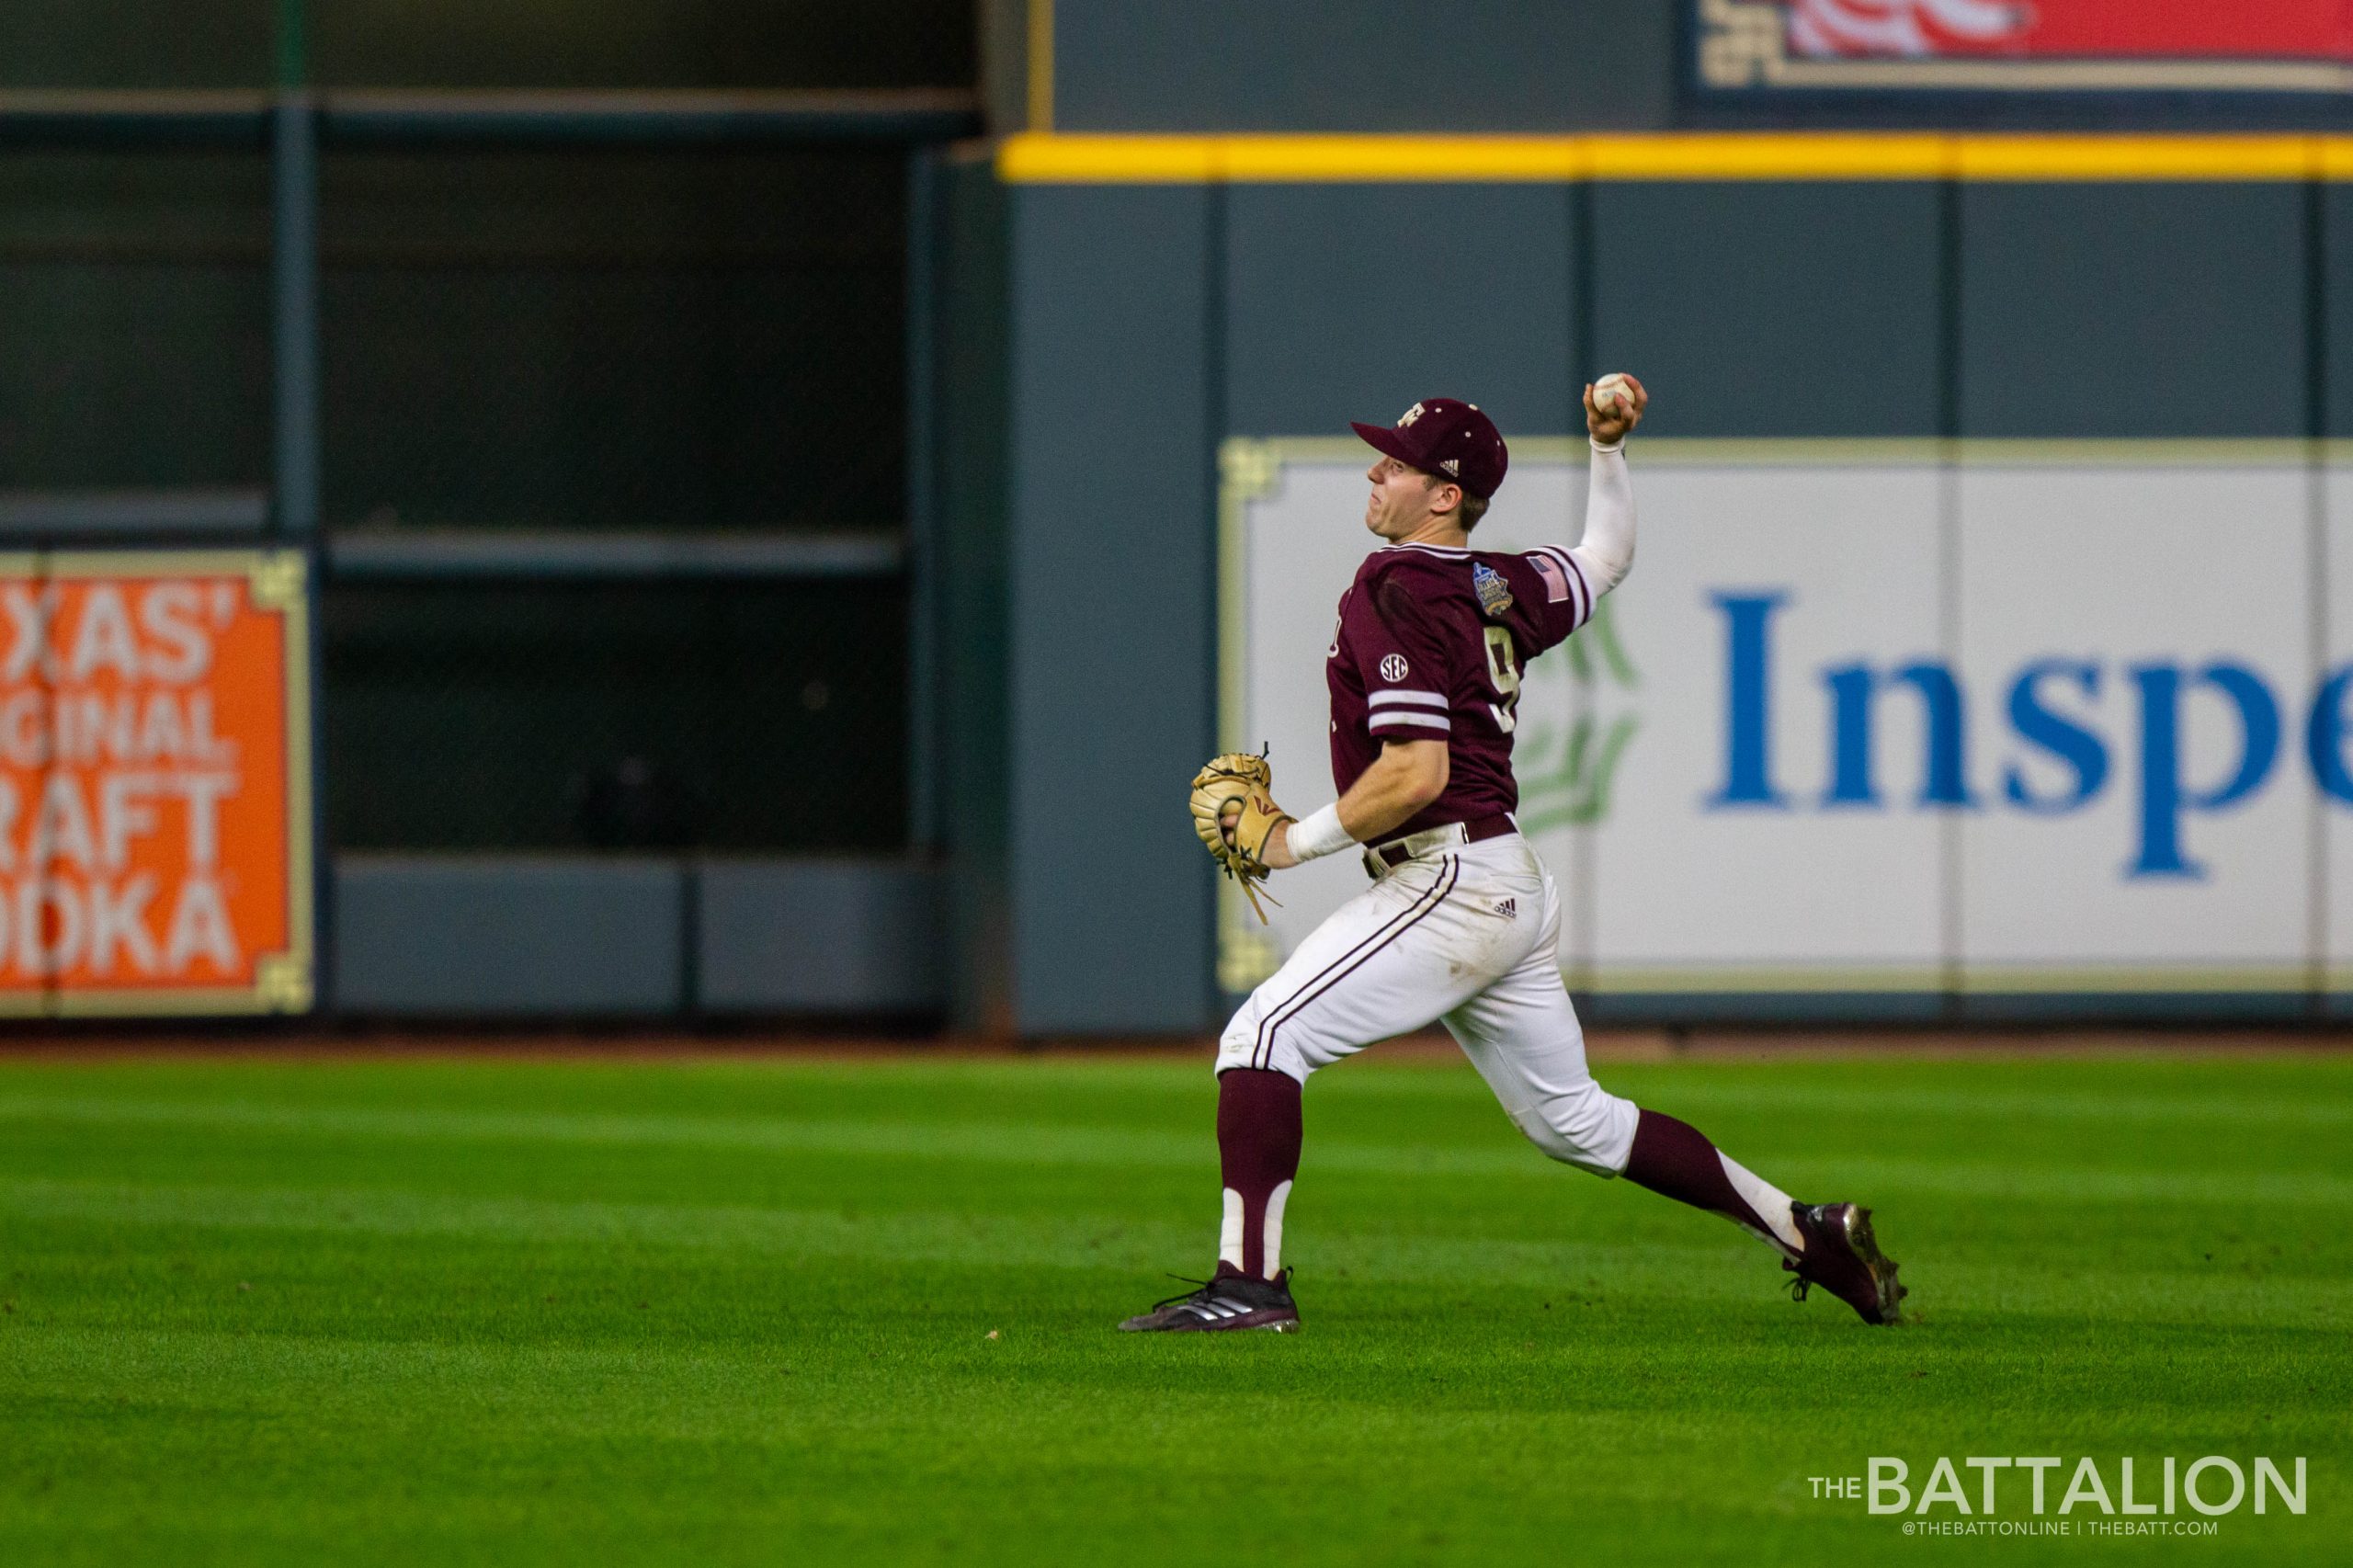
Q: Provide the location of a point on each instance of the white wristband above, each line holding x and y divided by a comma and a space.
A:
1616, 446
1319, 834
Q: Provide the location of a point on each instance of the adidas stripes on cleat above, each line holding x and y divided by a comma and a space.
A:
1227, 1299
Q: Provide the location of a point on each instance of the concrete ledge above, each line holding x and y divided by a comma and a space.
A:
1836, 1009
466, 935
584, 936
820, 937
1624, 1009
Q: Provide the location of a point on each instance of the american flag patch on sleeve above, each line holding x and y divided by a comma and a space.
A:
1556, 582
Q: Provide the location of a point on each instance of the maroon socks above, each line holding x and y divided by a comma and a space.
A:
1259, 1138
1257, 1146
1676, 1160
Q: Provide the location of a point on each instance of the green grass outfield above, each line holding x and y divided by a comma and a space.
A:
790, 1311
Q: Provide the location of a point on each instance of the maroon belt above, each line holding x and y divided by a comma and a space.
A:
1395, 852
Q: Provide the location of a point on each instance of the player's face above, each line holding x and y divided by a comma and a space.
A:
1400, 503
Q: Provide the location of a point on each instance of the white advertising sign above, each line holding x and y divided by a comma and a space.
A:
2045, 719
2333, 707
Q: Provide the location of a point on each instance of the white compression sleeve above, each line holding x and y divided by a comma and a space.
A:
1318, 833
1606, 551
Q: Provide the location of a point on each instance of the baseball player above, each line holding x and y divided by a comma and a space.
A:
1461, 923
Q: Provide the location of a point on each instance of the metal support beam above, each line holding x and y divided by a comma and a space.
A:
44, 118
482, 554
923, 499
649, 119
294, 313
50, 118
62, 514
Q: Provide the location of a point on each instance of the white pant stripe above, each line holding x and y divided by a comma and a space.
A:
1472, 941
1341, 967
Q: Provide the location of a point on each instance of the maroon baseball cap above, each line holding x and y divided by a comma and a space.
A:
1451, 439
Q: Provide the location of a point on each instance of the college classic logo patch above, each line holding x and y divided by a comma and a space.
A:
1495, 594
1393, 668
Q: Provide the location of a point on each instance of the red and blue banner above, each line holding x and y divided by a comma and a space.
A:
2026, 46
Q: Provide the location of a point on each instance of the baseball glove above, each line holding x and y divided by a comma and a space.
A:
1238, 779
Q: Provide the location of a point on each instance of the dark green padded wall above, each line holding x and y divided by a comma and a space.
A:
1111, 436
1771, 309
1370, 65
2335, 225
2115, 310
1349, 302
1728, 295
975, 578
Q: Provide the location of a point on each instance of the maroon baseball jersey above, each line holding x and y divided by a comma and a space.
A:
1429, 647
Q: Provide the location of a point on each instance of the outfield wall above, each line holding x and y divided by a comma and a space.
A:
1168, 299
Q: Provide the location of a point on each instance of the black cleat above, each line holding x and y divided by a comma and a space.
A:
1842, 1258
1228, 1298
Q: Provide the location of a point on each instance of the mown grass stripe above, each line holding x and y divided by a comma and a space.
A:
1090, 1147
2270, 1092
1604, 1265
1030, 1145
2195, 1105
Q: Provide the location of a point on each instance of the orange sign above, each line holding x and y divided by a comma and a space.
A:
154, 783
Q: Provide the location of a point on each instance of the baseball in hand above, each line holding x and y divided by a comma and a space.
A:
1611, 393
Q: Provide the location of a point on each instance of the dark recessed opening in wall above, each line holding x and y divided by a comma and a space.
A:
614, 339
580, 44
134, 309
547, 716
647, 43
138, 44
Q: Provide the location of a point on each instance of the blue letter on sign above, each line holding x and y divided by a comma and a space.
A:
2325, 737
2163, 800
1850, 736
1943, 780
2062, 738
1748, 677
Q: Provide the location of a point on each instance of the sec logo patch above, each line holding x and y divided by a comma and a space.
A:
1393, 668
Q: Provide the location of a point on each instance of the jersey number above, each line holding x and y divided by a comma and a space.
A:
1505, 674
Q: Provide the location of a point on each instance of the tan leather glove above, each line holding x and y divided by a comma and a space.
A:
1240, 846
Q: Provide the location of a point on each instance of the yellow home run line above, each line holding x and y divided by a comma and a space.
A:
1037, 158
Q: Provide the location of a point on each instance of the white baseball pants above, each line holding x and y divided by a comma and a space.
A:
1469, 934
